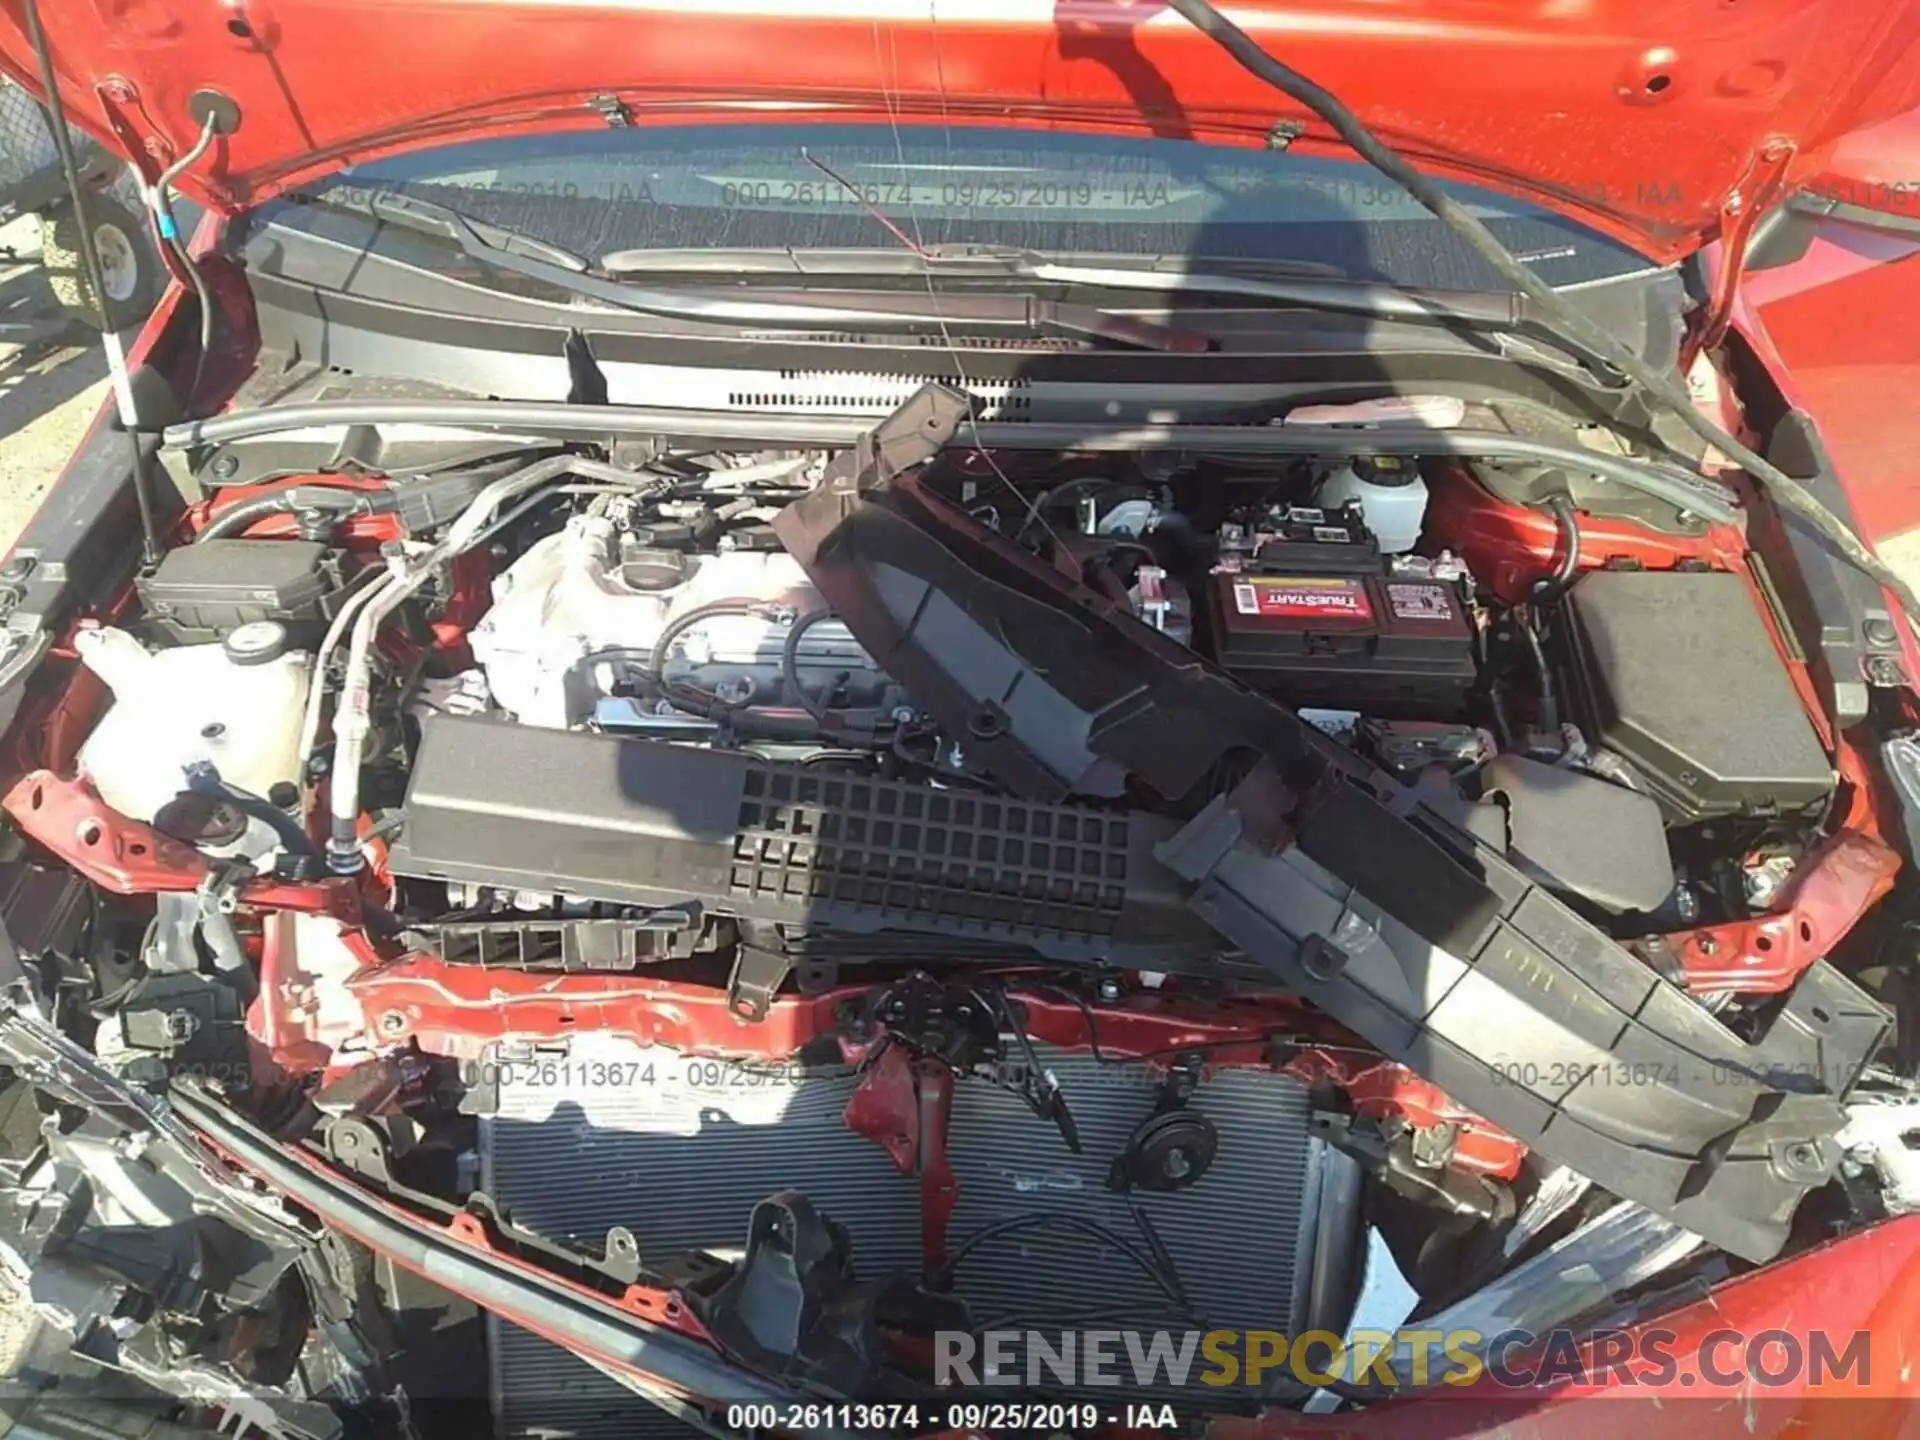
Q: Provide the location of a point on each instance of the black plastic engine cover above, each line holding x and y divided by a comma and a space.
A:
1052, 688
642, 822
1331, 875
1525, 1013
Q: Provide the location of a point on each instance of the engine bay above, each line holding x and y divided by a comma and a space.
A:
831, 897
1585, 727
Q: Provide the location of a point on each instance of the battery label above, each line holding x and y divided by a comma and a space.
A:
1301, 596
1420, 601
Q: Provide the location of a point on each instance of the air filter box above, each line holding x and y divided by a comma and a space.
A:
646, 823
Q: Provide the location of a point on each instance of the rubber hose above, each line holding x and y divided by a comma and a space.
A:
235, 519
1552, 586
713, 610
790, 663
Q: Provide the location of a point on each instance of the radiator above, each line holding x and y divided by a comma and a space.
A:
681, 1167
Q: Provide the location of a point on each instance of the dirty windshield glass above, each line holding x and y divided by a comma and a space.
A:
777, 186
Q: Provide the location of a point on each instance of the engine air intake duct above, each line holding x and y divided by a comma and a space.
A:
641, 822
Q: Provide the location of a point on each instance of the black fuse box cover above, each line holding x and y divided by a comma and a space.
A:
197, 593
1676, 672
1391, 646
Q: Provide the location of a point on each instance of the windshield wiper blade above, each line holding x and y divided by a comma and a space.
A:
1504, 310
553, 265
1026, 314
1313, 288
957, 259
808, 260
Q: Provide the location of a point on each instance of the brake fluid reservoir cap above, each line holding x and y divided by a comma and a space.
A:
259, 642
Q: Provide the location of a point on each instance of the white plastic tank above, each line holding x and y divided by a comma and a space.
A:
1391, 494
235, 705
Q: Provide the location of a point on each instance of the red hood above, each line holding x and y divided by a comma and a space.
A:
1644, 119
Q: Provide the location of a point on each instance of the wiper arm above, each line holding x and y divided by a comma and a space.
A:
553, 265
810, 260
1500, 310
1315, 288
1554, 313
1506, 312
491, 241
960, 258
1310, 287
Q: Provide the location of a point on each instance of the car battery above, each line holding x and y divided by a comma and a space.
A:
1311, 613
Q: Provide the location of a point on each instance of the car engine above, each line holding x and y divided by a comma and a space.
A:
828, 897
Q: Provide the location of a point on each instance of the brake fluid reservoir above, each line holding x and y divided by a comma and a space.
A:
1391, 494
236, 705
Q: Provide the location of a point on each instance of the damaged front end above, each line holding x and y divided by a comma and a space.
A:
767, 921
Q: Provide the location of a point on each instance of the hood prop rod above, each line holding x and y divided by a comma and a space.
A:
1554, 313
95, 274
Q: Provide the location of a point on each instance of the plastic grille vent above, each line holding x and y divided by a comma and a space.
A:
1040, 344
878, 394
959, 860
1032, 343
568, 945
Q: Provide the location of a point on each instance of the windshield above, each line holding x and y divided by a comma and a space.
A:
766, 186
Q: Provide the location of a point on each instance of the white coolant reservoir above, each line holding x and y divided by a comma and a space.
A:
1391, 494
235, 705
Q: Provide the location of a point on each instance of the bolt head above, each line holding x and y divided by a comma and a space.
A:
1885, 670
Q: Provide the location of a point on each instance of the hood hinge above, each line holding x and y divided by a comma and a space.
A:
1758, 190
611, 109
146, 146
1284, 133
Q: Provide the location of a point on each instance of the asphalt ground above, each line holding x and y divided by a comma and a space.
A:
53, 377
